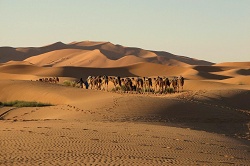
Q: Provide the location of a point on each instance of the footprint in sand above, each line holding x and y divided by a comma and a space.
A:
94, 139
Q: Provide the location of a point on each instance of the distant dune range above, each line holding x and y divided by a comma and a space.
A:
81, 59
87, 54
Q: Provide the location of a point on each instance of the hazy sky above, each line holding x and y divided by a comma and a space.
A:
213, 30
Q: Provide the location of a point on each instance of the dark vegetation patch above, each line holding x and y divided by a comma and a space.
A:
17, 103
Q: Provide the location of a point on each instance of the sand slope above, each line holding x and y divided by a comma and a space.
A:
191, 106
136, 127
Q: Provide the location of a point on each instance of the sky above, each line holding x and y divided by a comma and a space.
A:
212, 30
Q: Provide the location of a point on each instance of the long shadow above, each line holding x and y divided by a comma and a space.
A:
245, 72
207, 75
84, 72
197, 115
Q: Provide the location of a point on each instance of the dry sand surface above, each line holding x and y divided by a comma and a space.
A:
206, 124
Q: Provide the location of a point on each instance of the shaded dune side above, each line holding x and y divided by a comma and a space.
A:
152, 69
139, 69
187, 60
235, 72
221, 72
73, 72
27, 71
191, 114
210, 72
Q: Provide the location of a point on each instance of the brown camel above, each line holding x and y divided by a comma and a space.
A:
127, 83
147, 84
158, 83
116, 81
98, 82
180, 83
174, 83
166, 84
105, 80
90, 81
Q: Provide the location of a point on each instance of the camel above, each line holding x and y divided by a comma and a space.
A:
137, 83
127, 83
98, 82
90, 81
166, 83
116, 81
94, 82
174, 83
80, 82
55, 80
49, 80
105, 80
158, 83
147, 84
134, 83
180, 83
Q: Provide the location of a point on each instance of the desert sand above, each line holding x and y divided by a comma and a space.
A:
205, 124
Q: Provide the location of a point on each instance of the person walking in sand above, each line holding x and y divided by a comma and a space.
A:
86, 84
80, 82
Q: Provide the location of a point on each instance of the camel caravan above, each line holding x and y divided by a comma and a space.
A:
135, 84
49, 80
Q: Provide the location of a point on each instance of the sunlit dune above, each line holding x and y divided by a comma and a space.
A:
235, 64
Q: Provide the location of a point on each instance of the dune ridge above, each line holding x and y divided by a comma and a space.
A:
111, 51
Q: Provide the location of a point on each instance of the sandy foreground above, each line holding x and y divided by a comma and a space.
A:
90, 127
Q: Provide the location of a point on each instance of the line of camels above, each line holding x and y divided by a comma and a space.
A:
49, 80
138, 84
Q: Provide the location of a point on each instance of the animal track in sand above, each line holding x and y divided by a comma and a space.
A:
146, 145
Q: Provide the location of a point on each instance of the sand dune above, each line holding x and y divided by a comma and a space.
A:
237, 76
54, 57
234, 64
94, 58
206, 124
109, 50
138, 69
87, 43
184, 108
239, 80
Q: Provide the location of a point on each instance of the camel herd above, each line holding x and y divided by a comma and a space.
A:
128, 84
138, 84
49, 80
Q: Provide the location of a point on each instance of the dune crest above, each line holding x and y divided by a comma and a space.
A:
110, 50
